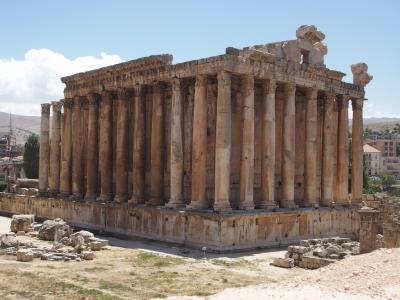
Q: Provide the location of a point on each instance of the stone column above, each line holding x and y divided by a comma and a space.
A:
369, 228
176, 147
121, 186
106, 147
328, 152
357, 151
66, 150
268, 146
139, 134
156, 152
343, 151
77, 149
246, 199
223, 143
288, 155
54, 172
199, 148
44, 153
310, 172
92, 148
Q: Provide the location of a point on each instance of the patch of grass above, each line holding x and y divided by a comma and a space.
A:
108, 285
152, 259
239, 263
29, 274
95, 269
132, 274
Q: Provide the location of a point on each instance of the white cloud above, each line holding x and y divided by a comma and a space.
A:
24, 84
370, 111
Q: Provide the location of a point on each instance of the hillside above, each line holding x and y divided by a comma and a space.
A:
22, 125
380, 124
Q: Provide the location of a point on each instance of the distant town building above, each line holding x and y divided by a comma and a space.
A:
388, 147
373, 159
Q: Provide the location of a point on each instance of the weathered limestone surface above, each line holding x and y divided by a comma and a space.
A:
44, 154
54, 172
214, 231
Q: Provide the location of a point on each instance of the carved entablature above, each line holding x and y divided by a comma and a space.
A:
360, 74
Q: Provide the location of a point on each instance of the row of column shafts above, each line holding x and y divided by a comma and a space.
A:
66, 178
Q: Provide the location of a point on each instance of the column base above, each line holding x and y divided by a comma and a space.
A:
52, 193
43, 194
121, 198
222, 206
175, 205
90, 198
246, 206
197, 206
136, 201
106, 197
76, 197
153, 201
268, 206
311, 204
63, 195
289, 204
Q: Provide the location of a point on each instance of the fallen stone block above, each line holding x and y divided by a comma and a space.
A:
24, 255
283, 262
8, 240
298, 249
27, 183
87, 255
51, 227
21, 222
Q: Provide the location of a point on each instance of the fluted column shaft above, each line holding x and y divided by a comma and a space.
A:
246, 199
223, 143
357, 151
310, 176
77, 149
343, 151
156, 152
106, 147
121, 184
66, 150
288, 155
44, 152
54, 178
268, 146
199, 142
328, 151
92, 148
139, 135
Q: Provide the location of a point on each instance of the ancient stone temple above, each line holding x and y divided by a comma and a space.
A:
240, 150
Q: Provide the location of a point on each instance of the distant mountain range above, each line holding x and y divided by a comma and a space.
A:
24, 125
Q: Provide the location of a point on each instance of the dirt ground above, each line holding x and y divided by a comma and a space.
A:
137, 269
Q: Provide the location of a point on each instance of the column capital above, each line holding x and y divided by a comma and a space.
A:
56, 105
343, 101
247, 84
123, 94
93, 99
106, 96
224, 78
201, 80
312, 94
270, 86
67, 102
138, 90
45, 108
157, 86
357, 104
290, 88
77, 102
176, 84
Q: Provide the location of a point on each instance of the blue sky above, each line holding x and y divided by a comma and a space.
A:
79, 35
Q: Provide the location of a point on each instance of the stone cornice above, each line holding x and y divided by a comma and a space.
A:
142, 71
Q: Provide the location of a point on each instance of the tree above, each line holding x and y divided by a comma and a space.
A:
387, 180
31, 156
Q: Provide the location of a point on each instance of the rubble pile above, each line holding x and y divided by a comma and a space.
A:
25, 234
316, 253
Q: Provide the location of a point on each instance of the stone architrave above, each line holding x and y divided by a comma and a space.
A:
357, 151
328, 152
199, 148
288, 154
77, 148
156, 152
223, 143
66, 149
54, 172
106, 147
121, 184
176, 147
92, 148
268, 146
139, 141
343, 152
44, 152
246, 199
310, 176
